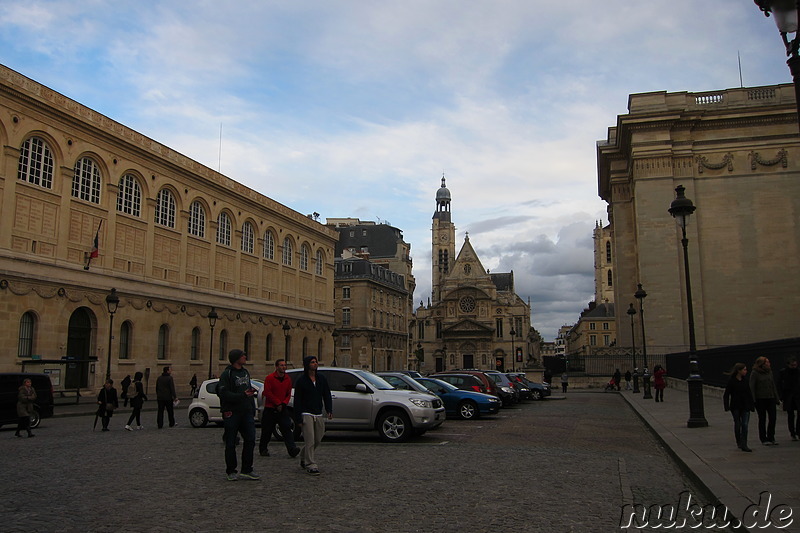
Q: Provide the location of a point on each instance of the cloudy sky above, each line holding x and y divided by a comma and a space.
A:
356, 108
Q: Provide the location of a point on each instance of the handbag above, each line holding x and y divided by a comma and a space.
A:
110, 407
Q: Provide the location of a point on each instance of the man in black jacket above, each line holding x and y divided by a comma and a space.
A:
166, 396
236, 395
789, 390
312, 403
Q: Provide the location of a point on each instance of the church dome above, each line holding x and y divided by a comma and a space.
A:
443, 194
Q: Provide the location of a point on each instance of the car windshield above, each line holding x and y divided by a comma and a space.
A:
376, 381
443, 384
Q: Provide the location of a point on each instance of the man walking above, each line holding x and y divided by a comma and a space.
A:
277, 393
789, 390
238, 414
165, 395
312, 400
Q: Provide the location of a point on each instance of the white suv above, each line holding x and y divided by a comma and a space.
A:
205, 404
364, 401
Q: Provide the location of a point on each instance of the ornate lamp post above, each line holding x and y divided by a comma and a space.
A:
372, 340
786, 17
112, 302
681, 208
335, 336
513, 348
286, 327
641, 295
212, 321
631, 313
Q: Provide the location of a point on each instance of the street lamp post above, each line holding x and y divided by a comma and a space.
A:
286, 327
212, 321
372, 340
631, 313
681, 208
112, 302
786, 17
513, 349
335, 336
641, 295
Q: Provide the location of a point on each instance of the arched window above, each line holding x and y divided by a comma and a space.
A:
165, 208
194, 355
319, 348
26, 326
223, 345
287, 251
125, 340
36, 163
269, 246
305, 347
197, 220
247, 339
608, 251
610, 282
268, 349
163, 342
247, 238
224, 229
129, 197
318, 268
304, 257
86, 181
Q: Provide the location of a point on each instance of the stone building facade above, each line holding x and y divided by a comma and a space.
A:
737, 153
173, 237
468, 322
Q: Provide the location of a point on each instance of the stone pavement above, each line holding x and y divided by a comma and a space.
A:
736, 478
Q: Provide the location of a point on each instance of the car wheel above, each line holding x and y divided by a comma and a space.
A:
468, 410
35, 419
536, 394
198, 418
394, 426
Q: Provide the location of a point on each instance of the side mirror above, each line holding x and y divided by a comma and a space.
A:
360, 387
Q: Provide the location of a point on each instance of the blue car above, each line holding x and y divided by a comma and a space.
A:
464, 404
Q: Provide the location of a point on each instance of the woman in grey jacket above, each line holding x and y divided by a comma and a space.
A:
765, 394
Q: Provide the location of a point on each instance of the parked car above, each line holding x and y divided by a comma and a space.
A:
9, 389
462, 403
462, 381
489, 383
403, 381
509, 394
204, 407
538, 391
365, 401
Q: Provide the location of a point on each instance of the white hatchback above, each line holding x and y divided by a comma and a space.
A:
205, 404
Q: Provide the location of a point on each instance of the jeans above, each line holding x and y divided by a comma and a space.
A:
269, 418
245, 424
165, 404
741, 421
765, 407
793, 416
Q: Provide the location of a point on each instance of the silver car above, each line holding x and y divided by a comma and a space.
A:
205, 404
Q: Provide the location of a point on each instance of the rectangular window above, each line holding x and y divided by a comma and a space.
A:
499, 327
438, 330
345, 341
421, 330
345, 293
592, 326
346, 316
606, 340
592, 340
605, 325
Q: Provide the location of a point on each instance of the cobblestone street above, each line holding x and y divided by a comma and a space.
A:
559, 465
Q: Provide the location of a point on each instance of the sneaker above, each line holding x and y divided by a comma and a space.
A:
774, 443
104, 429
295, 451
252, 476
128, 427
766, 443
313, 471
232, 476
745, 449
139, 427
264, 453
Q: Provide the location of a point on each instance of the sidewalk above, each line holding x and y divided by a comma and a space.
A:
735, 477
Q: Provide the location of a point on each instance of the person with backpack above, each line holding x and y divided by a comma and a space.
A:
137, 397
236, 395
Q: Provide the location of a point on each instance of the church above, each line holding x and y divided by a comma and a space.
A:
474, 319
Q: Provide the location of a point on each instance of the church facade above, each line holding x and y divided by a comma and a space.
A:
474, 318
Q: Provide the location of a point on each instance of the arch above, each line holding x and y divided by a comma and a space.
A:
269, 245
165, 208
27, 333
608, 251
86, 179
268, 348
194, 354
80, 346
125, 338
319, 266
610, 278
163, 342
36, 164
304, 256
248, 237
129, 195
196, 225
223, 345
224, 225
320, 345
287, 251
305, 347
247, 342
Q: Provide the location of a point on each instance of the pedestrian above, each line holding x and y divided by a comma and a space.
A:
312, 403
277, 393
137, 398
659, 383
789, 389
107, 402
617, 378
547, 376
238, 415
738, 399
125, 383
193, 385
628, 380
26, 399
166, 396
564, 382
765, 394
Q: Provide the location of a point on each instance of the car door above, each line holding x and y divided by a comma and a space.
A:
351, 408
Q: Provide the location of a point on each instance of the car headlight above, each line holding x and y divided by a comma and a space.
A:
507, 390
425, 404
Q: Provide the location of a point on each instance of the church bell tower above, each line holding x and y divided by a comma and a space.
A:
443, 247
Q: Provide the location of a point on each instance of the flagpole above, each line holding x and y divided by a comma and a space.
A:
95, 248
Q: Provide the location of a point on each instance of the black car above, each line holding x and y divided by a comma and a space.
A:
9, 389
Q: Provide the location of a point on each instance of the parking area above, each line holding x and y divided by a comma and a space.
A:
565, 465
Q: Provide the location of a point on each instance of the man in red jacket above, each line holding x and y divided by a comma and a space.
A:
277, 393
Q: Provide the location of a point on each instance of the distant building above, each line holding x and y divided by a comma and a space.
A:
737, 153
595, 329
603, 264
474, 318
